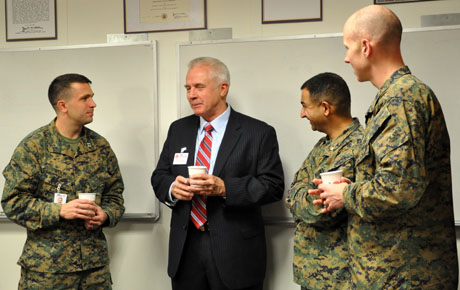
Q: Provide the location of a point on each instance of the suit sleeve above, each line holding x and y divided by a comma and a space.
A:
162, 178
262, 184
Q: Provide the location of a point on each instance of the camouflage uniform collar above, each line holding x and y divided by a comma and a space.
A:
58, 145
342, 139
87, 144
404, 70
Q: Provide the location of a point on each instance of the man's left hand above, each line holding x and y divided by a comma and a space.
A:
97, 220
207, 184
330, 194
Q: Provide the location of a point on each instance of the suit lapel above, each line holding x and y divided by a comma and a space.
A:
231, 137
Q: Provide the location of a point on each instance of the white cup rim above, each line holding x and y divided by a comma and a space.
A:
91, 195
331, 172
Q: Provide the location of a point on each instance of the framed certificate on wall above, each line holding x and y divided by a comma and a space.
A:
30, 19
164, 15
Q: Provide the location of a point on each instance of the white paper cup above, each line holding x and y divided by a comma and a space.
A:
87, 195
196, 169
331, 176
192, 170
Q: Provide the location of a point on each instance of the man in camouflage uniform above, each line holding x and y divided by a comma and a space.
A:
65, 246
320, 242
401, 232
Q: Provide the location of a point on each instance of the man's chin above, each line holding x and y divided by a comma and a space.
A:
197, 112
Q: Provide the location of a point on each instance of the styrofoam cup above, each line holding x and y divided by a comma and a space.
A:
331, 176
192, 170
87, 195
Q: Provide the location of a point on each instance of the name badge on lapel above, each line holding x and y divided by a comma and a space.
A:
180, 158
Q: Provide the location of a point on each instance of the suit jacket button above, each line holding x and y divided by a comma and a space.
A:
184, 227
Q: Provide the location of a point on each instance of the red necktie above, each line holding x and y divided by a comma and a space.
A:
203, 158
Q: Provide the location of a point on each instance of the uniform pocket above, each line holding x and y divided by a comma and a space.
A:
51, 181
373, 129
97, 179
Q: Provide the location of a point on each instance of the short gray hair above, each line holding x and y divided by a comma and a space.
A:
219, 70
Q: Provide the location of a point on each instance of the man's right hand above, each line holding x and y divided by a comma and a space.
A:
181, 188
78, 209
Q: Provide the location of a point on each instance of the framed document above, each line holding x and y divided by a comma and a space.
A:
397, 1
280, 11
30, 19
164, 15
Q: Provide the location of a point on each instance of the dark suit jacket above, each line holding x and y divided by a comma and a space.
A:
250, 166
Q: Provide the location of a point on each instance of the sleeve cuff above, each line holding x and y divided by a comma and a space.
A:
171, 201
50, 215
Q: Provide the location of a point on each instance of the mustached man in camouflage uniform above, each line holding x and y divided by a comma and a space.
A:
320, 242
401, 232
65, 246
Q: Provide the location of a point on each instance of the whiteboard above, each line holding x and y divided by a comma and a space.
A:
266, 75
124, 81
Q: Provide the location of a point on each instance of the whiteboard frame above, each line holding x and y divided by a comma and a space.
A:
148, 216
274, 220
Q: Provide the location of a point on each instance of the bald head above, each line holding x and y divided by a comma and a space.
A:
372, 37
375, 23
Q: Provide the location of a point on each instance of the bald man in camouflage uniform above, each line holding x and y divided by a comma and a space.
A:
401, 229
65, 246
320, 242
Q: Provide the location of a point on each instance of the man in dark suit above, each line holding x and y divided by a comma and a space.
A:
217, 237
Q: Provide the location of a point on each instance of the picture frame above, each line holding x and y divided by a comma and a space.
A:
30, 20
382, 2
284, 11
164, 15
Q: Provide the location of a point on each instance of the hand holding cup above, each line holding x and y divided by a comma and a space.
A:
331, 177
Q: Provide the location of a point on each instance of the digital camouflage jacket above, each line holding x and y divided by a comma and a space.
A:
401, 232
41, 163
320, 241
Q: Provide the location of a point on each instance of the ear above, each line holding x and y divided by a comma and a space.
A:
61, 106
223, 89
327, 108
366, 47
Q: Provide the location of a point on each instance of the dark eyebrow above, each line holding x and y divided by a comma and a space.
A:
87, 96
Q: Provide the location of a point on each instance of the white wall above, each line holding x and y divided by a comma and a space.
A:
139, 250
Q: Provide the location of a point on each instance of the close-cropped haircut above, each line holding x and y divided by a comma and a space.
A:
331, 88
219, 70
392, 31
59, 87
